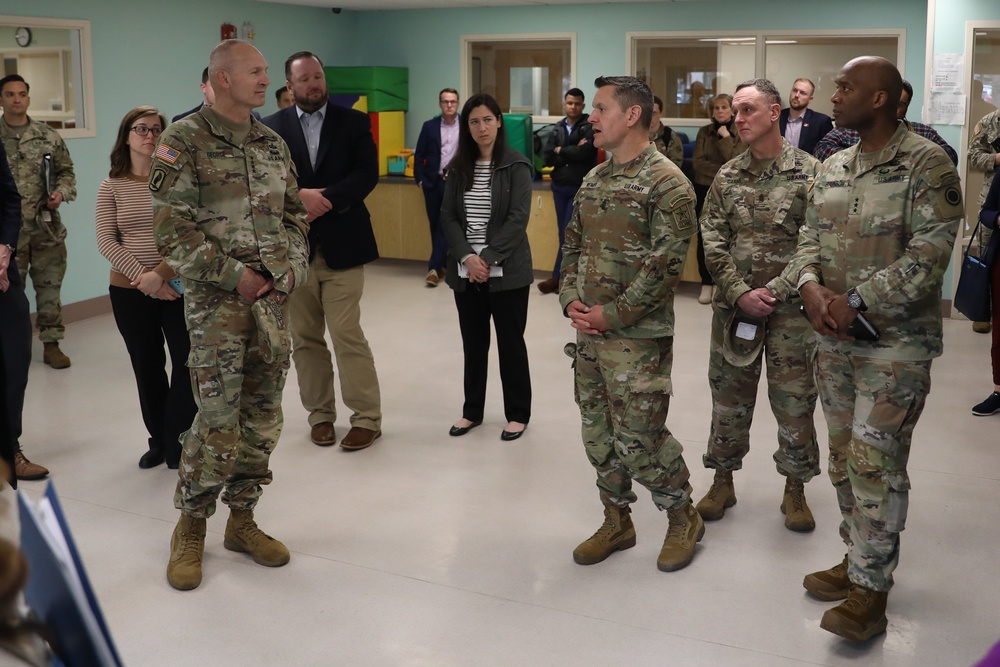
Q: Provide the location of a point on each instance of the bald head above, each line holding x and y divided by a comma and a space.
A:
238, 73
226, 54
868, 92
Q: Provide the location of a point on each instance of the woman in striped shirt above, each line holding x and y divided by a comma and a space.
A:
146, 301
487, 200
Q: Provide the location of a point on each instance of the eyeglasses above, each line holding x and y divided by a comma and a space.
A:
486, 120
143, 130
449, 103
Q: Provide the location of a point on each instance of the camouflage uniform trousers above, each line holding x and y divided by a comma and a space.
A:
871, 407
789, 350
43, 257
623, 390
239, 415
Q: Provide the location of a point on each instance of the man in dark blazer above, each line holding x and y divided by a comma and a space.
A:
15, 333
806, 127
337, 164
436, 146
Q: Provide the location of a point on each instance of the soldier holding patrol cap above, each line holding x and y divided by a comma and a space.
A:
750, 225
632, 223
879, 232
229, 221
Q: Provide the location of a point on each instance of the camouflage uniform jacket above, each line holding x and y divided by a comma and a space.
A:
983, 149
669, 144
219, 207
626, 243
25, 158
885, 224
750, 223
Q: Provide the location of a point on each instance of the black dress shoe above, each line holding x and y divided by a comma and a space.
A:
151, 459
462, 430
507, 436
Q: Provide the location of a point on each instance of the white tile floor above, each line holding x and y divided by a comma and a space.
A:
438, 551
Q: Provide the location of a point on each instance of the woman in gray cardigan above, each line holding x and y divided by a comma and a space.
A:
487, 200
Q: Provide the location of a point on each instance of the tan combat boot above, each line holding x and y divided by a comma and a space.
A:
187, 547
798, 517
686, 530
616, 534
860, 617
242, 534
829, 585
722, 495
54, 357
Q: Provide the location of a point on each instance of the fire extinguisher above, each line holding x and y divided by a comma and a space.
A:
228, 31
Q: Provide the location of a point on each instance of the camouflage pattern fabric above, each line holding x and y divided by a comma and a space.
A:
623, 390
624, 251
41, 248
983, 149
750, 225
223, 202
674, 151
884, 223
626, 243
871, 427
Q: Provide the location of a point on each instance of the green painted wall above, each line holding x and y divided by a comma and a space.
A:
153, 53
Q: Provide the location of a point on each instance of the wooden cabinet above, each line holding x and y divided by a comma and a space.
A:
399, 219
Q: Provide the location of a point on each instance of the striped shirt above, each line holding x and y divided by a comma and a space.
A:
125, 228
477, 203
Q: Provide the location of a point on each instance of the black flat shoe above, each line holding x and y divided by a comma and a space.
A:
151, 459
462, 430
507, 436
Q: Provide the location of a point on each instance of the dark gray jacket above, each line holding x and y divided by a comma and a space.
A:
507, 231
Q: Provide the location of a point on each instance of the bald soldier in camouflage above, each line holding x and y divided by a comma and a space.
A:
750, 225
625, 246
44, 174
878, 238
229, 221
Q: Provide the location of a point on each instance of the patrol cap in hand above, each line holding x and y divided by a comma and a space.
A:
743, 338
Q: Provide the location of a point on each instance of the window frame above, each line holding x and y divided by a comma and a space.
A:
632, 39
89, 128
465, 67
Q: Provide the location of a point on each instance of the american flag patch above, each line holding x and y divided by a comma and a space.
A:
167, 154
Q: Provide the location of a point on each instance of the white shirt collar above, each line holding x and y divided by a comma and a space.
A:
301, 113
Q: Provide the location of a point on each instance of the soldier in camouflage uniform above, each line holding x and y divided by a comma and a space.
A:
229, 221
750, 225
33, 148
667, 141
878, 237
984, 156
625, 246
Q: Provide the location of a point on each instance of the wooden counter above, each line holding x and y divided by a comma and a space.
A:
399, 219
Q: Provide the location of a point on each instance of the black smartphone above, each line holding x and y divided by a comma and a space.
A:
860, 328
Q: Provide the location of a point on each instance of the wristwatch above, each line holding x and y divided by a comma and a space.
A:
855, 301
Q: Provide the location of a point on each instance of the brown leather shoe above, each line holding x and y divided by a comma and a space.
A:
25, 469
549, 286
432, 279
322, 434
359, 438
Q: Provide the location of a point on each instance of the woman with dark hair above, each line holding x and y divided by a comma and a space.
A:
487, 200
145, 295
716, 144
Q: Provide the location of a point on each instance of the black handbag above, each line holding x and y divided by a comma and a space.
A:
972, 298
